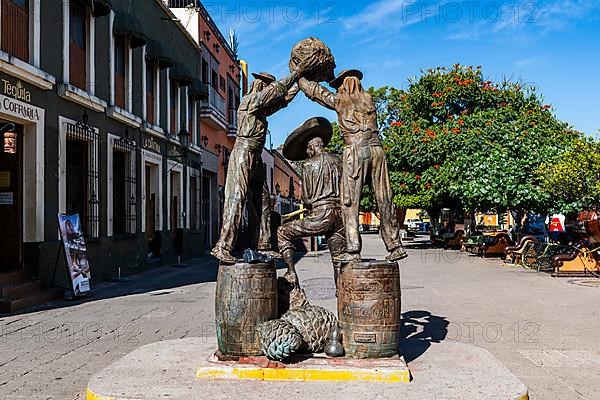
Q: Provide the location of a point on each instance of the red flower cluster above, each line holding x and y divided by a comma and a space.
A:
398, 123
455, 130
546, 107
437, 104
417, 177
463, 82
436, 166
427, 185
461, 121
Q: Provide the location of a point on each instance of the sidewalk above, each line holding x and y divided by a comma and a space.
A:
50, 352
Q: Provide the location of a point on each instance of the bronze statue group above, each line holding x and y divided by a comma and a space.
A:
331, 188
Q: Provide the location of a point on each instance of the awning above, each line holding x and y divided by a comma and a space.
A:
101, 8
156, 51
181, 73
128, 25
199, 90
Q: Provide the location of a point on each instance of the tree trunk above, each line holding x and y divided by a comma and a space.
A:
401, 216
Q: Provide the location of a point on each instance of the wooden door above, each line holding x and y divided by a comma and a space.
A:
11, 198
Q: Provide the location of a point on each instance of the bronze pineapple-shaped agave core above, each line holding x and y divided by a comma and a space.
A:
314, 323
279, 339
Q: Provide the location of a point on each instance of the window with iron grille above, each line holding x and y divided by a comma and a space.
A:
14, 23
83, 178
78, 44
124, 188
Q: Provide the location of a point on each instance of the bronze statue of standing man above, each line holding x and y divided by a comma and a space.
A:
364, 161
246, 172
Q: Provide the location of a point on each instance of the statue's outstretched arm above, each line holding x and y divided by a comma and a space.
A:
273, 97
318, 93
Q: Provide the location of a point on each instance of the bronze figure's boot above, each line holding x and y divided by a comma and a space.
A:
397, 254
223, 255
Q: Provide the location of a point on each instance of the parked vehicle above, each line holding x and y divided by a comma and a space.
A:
414, 224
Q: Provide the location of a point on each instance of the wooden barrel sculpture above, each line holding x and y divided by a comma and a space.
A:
369, 308
246, 296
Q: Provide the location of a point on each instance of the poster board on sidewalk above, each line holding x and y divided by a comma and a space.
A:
75, 253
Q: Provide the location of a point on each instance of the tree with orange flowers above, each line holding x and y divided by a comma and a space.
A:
458, 140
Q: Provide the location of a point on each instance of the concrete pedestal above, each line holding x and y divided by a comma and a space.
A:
172, 369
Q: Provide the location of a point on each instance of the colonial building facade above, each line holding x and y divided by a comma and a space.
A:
218, 111
102, 109
113, 110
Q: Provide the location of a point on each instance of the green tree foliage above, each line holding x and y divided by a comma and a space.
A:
456, 140
573, 178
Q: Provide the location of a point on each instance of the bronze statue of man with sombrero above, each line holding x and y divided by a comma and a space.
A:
246, 175
364, 160
321, 174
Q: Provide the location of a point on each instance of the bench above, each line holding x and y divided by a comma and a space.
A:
455, 242
584, 261
540, 256
514, 254
495, 245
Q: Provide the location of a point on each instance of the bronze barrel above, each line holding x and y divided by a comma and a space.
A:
369, 308
246, 296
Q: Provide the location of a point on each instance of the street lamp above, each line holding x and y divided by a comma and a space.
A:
219, 148
277, 189
205, 140
184, 140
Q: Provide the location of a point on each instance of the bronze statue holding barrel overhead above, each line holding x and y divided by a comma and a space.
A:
364, 160
246, 173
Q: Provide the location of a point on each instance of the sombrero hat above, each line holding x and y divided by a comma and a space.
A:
337, 82
264, 76
294, 148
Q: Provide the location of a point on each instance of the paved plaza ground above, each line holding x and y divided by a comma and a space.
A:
545, 330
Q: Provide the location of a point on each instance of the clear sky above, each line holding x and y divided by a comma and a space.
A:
552, 44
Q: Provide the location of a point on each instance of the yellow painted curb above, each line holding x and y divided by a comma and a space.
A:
305, 374
89, 395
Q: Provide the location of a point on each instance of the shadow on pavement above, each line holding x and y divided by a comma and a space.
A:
418, 330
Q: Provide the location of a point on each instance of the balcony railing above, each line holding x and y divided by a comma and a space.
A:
215, 101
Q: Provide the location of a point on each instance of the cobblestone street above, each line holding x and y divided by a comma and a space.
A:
545, 330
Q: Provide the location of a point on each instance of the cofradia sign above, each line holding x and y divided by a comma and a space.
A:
16, 104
